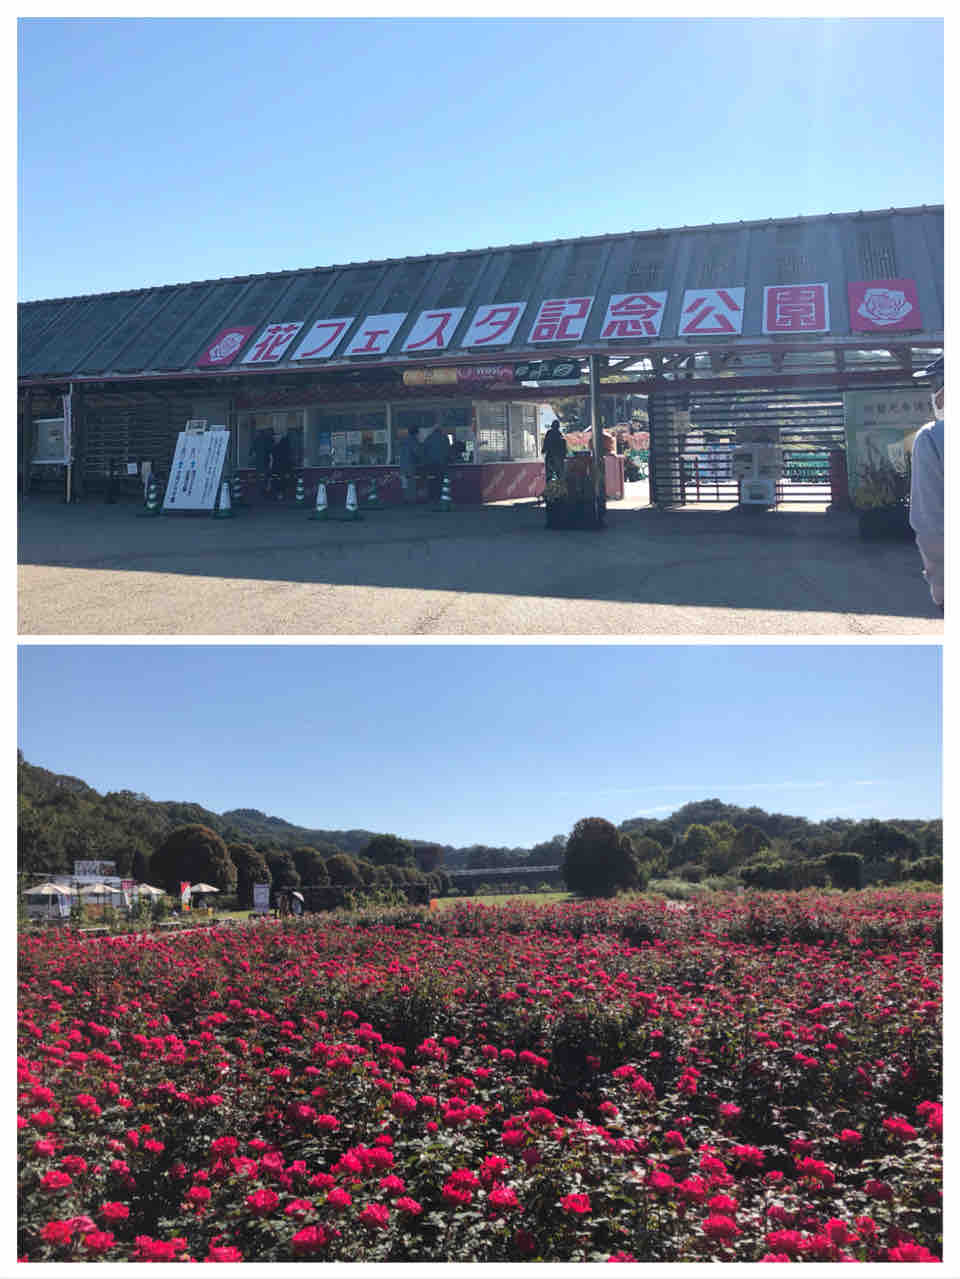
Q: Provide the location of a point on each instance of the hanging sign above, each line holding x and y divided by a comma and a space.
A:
323, 338
224, 347
184, 895
470, 375
433, 329
565, 372
494, 324
883, 305
273, 342
711, 311
561, 320
196, 469
634, 315
796, 308
376, 333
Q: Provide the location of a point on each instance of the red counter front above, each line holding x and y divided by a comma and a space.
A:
470, 485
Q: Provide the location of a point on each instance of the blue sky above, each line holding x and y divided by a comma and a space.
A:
153, 151
494, 744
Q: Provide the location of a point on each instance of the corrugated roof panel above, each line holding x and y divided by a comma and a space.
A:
103, 357
142, 350
64, 350
35, 320
198, 325
258, 304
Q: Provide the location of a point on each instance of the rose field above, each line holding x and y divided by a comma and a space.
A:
741, 1078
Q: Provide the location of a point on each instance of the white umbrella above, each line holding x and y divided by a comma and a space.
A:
203, 888
100, 889
150, 890
47, 889
296, 894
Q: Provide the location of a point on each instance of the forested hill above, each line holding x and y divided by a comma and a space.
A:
62, 819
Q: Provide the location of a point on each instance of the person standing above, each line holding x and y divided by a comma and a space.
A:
282, 465
554, 450
262, 450
408, 455
436, 456
926, 486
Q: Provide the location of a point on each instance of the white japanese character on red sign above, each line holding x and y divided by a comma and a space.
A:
272, 342
323, 338
634, 315
376, 333
795, 308
712, 311
433, 329
494, 324
561, 320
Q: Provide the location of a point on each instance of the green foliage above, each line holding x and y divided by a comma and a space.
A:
877, 840
846, 869
343, 871
388, 850
193, 853
252, 869
283, 868
928, 869
600, 861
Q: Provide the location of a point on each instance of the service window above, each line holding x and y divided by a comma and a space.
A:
357, 437
523, 432
493, 431
289, 423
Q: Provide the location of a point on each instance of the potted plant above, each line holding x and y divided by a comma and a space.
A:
881, 497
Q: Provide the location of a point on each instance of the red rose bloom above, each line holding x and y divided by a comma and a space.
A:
262, 1202
376, 1216
309, 1240
57, 1232
98, 1241
577, 1205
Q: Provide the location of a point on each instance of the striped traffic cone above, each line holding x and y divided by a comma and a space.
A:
152, 504
373, 498
300, 496
350, 507
319, 511
225, 510
445, 503
237, 490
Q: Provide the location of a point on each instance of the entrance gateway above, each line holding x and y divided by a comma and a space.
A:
739, 338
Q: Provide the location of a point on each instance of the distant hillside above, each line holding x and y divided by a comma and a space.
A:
62, 819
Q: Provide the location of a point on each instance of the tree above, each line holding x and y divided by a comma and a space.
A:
283, 868
876, 841
846, 869
252, 869
599, 861
650, 854
343, 871
696, 843
311, 863
429, 857
388, 850
194, 853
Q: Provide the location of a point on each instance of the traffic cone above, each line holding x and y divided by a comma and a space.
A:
445, 503
373, 497
300, 497
319, 512
152, 505
224, 511
237, 491
351, 508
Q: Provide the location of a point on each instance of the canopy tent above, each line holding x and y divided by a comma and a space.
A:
203, 888
99, 890
150, 890
48, 890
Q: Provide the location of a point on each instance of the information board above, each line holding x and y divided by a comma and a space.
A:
196, 470
261, 898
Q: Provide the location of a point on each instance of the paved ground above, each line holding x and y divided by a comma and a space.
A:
94, 569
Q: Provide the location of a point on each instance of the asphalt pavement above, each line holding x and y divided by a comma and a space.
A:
97, 569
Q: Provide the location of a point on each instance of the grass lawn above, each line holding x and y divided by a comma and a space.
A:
499, 899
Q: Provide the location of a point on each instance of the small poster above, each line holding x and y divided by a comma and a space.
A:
339, 441
261, 898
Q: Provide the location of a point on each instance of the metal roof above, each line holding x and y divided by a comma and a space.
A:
171, 329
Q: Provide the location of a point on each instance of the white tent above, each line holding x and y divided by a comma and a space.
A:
99, 890
203, 888
48, 889
150, 890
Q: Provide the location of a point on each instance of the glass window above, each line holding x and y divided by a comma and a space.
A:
289, 423
455, 419
523, 432
493, 431
357, 437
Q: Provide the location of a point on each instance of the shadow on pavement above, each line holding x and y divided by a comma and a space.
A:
791, 561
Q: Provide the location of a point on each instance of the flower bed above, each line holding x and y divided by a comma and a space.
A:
746, 1079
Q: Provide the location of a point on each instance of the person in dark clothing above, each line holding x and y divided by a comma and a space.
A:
436, 458
282, 465
262, 450
554, 451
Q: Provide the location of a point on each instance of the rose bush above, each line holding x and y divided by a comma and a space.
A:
749, 1079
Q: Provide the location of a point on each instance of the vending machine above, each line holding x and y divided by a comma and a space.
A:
758, 466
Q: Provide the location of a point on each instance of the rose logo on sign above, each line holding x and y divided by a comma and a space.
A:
884, 306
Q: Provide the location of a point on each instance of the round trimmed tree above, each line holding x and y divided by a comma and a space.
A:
194, 853
252, 869
599, 861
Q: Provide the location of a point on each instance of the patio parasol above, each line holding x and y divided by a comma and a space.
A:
203, 888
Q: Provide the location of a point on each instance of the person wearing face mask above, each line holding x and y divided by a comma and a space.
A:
926, 487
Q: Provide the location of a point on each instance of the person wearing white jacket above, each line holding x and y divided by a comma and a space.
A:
926, 487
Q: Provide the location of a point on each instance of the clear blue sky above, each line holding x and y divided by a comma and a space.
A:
154, 151
494, 744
